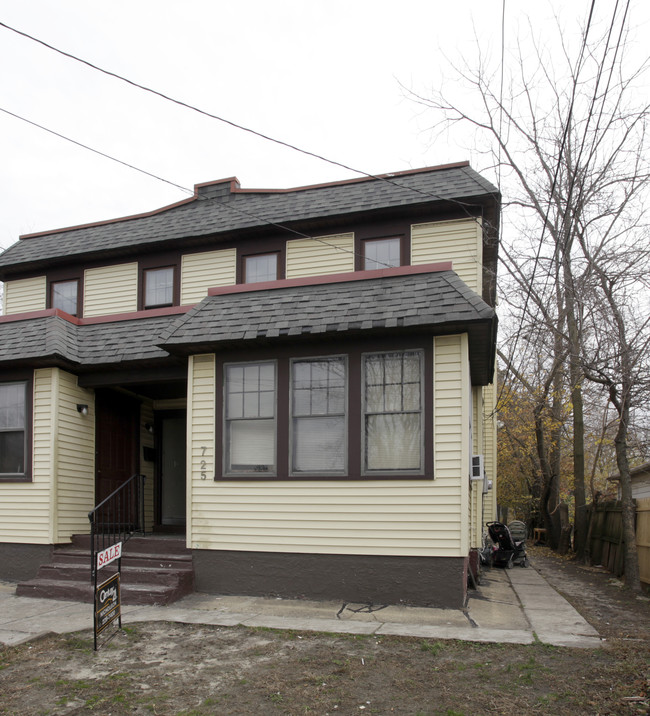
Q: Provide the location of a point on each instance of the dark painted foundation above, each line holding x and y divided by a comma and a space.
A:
19, 562
418, 581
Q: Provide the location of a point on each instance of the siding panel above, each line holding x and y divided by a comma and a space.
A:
310, 257
111, 289
28, 294
459, 241
205, 270
75, 453
25, 508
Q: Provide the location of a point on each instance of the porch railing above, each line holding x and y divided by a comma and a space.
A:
117, 518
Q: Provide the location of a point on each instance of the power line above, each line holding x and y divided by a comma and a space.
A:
226, 205
231, 123
96, 151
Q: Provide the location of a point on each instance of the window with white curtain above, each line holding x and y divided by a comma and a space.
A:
393, 411
250, 404
159, 287
318, 399
12, 429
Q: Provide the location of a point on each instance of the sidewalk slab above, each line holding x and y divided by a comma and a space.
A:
515, 606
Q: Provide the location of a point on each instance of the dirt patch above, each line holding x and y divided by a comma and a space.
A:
180, 669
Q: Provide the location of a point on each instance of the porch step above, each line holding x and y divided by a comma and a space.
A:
154, 571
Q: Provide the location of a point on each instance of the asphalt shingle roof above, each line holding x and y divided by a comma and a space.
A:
90, 345
413, 301
216, 209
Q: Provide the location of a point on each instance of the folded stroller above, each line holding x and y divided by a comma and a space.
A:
510, 544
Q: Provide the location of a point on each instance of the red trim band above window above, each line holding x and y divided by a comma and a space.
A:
332, 278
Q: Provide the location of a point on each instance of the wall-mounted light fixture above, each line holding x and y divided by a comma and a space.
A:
82, 408
148, 427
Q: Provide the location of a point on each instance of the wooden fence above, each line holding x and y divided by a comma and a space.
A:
606, 537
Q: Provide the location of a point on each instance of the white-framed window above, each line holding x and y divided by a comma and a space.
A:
159, 287
392, 412
249, 421
13, 414
318, 415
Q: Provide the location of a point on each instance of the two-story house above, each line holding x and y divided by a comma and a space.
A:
303, 375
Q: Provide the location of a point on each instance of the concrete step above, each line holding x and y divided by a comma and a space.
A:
151, 544
154, 570
68, 555
78, 591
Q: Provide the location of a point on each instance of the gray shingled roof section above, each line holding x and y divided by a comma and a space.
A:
410, 302
91, 345
38, 338
122, 341
209, 215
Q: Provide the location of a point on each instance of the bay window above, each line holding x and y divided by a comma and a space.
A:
358, 413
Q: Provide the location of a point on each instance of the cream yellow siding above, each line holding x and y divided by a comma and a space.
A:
320, 256
201, 488
27, 294
490, 448
55, 505
476, 486
110, 289
373, 517
205, 270
452, 406
74, 484
25, 508
458, 241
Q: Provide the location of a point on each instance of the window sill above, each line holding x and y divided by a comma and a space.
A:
320, 478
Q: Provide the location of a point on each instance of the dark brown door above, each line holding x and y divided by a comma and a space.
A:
117, 443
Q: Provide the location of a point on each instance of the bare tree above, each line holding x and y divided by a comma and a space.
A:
566, 134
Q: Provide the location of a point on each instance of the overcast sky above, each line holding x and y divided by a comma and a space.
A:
321, 74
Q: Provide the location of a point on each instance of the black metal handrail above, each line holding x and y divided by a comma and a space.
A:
117, 518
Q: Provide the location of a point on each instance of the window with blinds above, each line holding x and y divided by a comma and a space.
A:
318, 400
250, 405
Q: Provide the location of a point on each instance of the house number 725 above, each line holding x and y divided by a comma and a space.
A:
204, 464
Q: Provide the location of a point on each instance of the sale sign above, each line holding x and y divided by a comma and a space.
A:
106, 556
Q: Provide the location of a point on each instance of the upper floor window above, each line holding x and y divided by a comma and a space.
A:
250, 418
318, 398
393, 411
13, 413
382, 253
261, 267
159, 287
65, 296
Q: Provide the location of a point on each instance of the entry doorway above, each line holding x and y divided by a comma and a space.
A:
117, 447
171, 436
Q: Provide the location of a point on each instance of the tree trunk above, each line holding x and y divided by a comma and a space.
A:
632, 576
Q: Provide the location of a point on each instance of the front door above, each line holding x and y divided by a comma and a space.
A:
117, 444
172, 470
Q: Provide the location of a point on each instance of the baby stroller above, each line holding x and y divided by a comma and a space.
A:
510, 543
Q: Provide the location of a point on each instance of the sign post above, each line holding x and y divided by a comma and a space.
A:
107, 605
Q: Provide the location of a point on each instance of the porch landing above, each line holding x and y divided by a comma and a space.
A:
156, 569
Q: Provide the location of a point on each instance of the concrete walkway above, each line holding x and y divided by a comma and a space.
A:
515, 606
